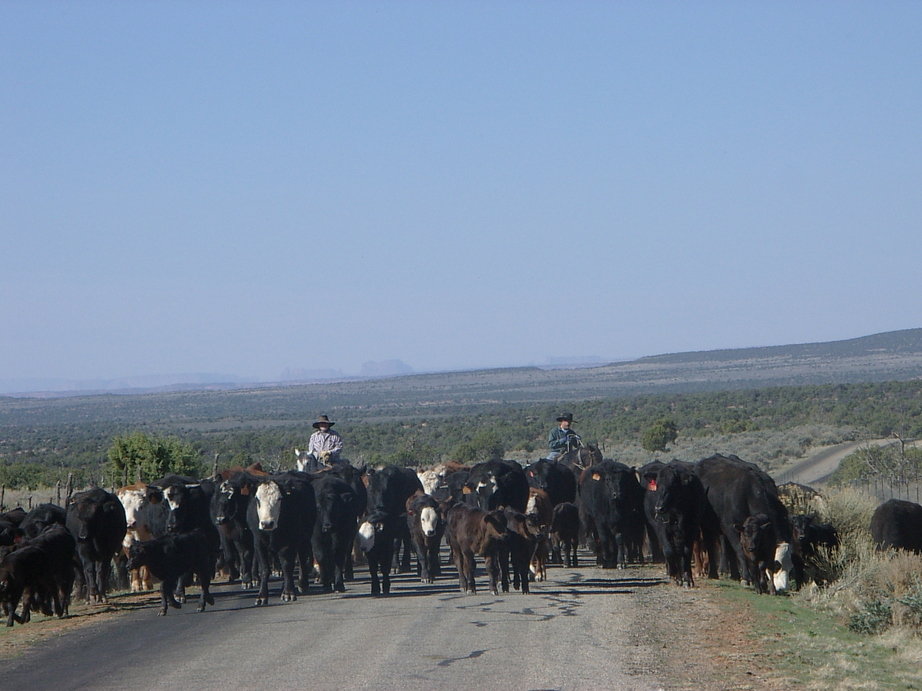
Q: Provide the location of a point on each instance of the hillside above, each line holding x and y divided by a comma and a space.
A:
894, 356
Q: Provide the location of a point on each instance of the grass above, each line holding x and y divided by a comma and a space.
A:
811, 648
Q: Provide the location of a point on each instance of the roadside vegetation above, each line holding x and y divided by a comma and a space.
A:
44, 441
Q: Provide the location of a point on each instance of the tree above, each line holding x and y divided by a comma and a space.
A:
485, 446
659, 435
137, 456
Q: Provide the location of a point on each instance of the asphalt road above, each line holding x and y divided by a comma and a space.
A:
577, 630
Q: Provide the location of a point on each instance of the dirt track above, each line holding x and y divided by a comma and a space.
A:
584, 628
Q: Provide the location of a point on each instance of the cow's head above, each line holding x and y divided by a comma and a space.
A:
268, 505
134, 501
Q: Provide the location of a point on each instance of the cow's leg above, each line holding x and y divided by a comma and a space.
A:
103, 570
373, 571
288, 569
262, 562
469, 568
204, 577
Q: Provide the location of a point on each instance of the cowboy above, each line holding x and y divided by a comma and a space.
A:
324, 446
562, 439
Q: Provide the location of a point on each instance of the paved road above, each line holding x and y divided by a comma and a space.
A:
578, 630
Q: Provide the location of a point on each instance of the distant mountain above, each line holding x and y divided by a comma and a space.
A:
385, 368
890, 356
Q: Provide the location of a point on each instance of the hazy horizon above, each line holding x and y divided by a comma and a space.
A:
254, 189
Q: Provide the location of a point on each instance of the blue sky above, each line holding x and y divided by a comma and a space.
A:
248, 187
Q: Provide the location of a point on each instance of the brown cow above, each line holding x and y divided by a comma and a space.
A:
473, 531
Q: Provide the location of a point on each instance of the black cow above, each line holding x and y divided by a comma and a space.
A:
282, 514
678, 509
735, 491
190, 509
611, 511
497, 484
338, 509
897, 524
42, 569
426, 527
41, 517
471, 531
10, 522
355, 477
229, 506
96, 518
554, 478
807, 536
647, 475
376, 538
758, 541
388, 491
564, 534
170, 557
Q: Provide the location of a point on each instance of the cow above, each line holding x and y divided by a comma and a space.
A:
40, 518
758, 541
647, 475
426, 527
96, 518
611, 511
564, 534
471, 531
897, 524
189, 502
497, 484
807, 535
554, 478
145, 521
10, 521
281, 515
337, 511
229, 506
356, 477
518, 549
735, 491
170, 557
540, 514
678, 507
25, 576
42, 569
388, 491
376, 538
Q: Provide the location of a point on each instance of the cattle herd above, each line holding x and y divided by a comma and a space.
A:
720, 515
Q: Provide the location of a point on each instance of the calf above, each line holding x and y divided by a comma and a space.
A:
518, 548
564, 534
40, 518
170, 557
807, 536
426, 530
376, 538
473, 531
758, 541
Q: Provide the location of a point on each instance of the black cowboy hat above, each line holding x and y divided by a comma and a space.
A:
323, 419
566, 416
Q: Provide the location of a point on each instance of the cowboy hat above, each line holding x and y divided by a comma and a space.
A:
566, 416
322, 420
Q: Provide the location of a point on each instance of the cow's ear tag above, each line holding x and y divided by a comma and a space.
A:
466, 490
651, 485
596, 477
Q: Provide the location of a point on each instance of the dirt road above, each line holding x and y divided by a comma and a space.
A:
584, 628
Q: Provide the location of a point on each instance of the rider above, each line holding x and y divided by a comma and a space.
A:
562, 438
325, 445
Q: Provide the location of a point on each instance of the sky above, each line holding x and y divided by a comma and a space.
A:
245, 188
